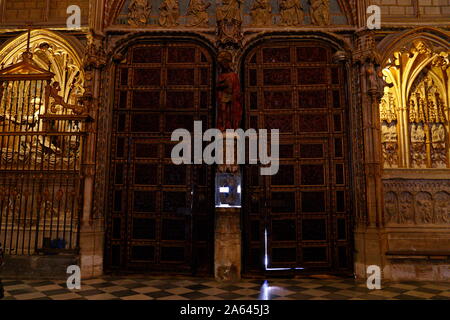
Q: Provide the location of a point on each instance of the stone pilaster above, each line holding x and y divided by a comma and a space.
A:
92, 231
369, 235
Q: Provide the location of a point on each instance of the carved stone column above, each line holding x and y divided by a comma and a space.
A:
92, 227
369, 234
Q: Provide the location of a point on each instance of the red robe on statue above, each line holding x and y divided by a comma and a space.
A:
229, 101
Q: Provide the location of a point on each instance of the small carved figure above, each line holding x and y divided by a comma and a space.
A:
442, 208
390, 201
229, 22
438, 133
261, 13
390, 144
228, 94
169, 13
406, 213
417, 133
376, 83
198, 14
320, 12
418, 152
291, 12
438, 146
138, 12
230, 10
424, 207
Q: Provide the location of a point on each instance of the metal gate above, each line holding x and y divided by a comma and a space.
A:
160, 215
300, 218
41, 139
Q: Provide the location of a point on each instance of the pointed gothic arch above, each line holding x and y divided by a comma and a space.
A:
414, 111
52, 51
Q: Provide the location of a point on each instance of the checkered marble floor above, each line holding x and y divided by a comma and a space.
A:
180, 288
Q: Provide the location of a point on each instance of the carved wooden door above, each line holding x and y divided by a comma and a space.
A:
160, 214
299, 218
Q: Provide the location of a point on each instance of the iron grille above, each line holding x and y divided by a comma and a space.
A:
41, 139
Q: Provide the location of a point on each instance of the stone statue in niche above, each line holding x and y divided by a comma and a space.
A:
198, 13
139, 12
438, 149
291, 12
261, 13
320, 12
438, 133
376, 83
228, 94
169, 13
389, 137
406, 214
424, 207
389, 143
418, 152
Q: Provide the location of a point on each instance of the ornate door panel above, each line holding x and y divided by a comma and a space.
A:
160, 215
300, 217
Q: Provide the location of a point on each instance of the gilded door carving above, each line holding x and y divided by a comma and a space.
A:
300, 217
160, 215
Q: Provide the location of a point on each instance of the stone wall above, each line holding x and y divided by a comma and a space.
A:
413, 8
38, 12
417, 225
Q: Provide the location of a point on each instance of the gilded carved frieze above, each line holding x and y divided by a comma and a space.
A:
416, 202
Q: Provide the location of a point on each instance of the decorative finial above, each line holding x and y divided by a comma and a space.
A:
28, 38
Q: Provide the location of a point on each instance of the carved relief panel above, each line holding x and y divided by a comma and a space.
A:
416, 202
251, 13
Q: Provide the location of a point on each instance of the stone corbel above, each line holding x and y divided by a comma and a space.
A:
95, 55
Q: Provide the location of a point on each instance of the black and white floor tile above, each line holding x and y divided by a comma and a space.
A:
164, 288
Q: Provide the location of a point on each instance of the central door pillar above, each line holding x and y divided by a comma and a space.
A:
227, 253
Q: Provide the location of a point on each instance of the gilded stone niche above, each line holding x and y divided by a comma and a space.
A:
414, 111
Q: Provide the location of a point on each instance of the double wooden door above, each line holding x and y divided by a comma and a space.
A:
300, 218
160, 214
